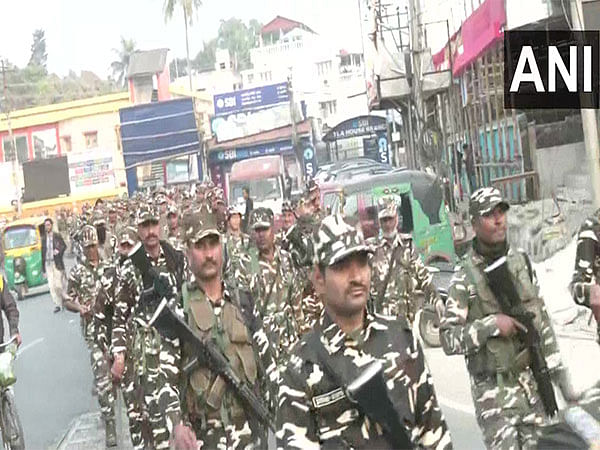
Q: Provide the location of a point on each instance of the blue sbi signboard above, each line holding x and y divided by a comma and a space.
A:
250, 99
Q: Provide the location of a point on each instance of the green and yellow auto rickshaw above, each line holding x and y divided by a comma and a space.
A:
22, 248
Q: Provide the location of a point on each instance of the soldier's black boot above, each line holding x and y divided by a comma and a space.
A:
111, 433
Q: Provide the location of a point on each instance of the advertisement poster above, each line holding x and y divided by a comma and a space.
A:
91, 171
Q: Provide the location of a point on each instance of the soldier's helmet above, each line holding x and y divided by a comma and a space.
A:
160, 199
89, 236
198, 224
234, 209
146, 213
287, 206
336, 240
128, 235
311, 186
387, 207
172, 211
261, 218
484, 201
98, 218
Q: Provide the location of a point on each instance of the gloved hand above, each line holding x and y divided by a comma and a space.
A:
162, 286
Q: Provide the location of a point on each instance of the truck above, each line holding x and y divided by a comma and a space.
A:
265, 177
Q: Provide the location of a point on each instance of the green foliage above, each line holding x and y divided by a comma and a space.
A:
189, 6
235, 36
39, 57
120, 65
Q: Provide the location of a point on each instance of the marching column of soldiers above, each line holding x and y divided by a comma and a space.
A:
220, 337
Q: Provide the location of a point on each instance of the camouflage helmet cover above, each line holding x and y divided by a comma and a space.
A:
336, 240
484, 200
198, 224
261, 218
387, 207
89, 236
146, 213
128, 235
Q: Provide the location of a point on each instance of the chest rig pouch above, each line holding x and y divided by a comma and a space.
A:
500, 355
229, 331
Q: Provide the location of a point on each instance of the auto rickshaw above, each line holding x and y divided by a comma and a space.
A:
22, 251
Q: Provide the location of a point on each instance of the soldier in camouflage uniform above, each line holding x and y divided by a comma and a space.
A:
584, 283
124, 375
508, 406
160, 199
236, 242
155, 358
83, 287
214, 414
173, 231
313, 406
408, 277
288, 219
300, 242
273, 280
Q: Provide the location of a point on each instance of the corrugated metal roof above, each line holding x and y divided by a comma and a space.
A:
147, 62
276, 134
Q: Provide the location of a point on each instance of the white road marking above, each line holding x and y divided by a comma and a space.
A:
28, 346
467, 409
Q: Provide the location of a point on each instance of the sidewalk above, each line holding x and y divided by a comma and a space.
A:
86, 432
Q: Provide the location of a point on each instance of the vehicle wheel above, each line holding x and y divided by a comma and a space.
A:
20, 292
429, 328
12, 430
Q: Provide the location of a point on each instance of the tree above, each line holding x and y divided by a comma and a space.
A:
39, 57
120, 66
189, 8
239, 38
205, 59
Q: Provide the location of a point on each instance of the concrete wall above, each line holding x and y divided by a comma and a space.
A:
554, 163
105, 125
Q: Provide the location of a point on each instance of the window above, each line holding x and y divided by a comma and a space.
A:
91, 139
324, 68
22, 152
250, 78
222, 66
328, 108
65, 144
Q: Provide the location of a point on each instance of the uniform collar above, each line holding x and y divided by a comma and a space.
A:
334, 339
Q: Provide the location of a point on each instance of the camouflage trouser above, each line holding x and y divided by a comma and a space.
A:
134, 404
103, 381
157, 369
509, 411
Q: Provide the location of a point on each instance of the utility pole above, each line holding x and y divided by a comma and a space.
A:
295, 146
416, 49
588, 120
11, 137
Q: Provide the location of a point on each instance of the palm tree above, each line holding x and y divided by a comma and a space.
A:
189, 9
119, 67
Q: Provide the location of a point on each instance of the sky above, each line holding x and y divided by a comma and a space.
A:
81, 34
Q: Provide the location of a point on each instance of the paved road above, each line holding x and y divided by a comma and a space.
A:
54, 377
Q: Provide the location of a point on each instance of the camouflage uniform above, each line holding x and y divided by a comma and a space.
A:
299, 242
587, 261
272, 283
84, 284
409, 277
122, 340
155, 359
508, 407
314, 409
217, 417
280, 235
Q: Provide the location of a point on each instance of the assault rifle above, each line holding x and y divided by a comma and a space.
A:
207, 352
504, 289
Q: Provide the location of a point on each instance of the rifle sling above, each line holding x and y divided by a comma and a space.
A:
340, 380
